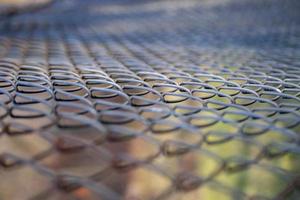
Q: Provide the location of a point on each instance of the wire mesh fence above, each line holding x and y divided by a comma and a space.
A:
151, 100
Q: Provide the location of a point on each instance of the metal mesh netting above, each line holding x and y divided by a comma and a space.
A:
151, 100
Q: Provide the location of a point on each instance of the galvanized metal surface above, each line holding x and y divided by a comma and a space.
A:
151, 100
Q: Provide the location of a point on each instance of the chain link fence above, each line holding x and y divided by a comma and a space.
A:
161, 100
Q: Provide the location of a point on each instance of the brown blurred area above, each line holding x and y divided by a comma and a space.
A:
21, 2
14, 6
